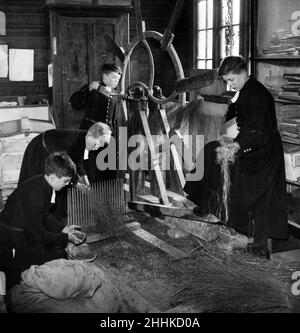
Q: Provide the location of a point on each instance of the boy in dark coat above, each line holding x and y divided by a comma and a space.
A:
97, 98
99, 102
257, 198
29, 234
80, 145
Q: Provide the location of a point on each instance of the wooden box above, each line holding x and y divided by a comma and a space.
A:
18, 126
32, 112
12, 149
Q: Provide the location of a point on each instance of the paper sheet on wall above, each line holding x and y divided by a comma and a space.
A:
21, 65
50, 75
2, 24
3, 61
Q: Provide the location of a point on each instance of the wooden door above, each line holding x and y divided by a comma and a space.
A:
81, 51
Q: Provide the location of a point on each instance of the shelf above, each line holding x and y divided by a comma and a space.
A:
290, 141
296, 183
284, 101
277, 58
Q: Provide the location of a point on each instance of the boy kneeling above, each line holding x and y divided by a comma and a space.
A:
29, 233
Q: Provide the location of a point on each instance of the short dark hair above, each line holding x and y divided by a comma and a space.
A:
110, 67
60, 164
99, 129
232, 64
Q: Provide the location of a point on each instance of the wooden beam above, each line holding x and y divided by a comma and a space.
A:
286, 256
184, 213
205, 231
176, 159
168, 34
149, 198
140, 24
294, 224
205, 79
96, 237
154, 158
162, 245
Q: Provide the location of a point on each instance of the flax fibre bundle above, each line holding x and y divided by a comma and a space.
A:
209, 280
226, 155
237, 283
108, 221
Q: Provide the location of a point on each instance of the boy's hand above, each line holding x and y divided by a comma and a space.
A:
94, 85
83, 187
74, 239
71, 228
83, 183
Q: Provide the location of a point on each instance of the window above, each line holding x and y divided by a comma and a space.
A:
219, 31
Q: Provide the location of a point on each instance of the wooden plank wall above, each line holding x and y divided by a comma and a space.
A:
27, 28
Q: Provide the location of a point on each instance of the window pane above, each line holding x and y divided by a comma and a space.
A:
228, 29
210, 13
236, 12
209, 64
236, 40
201, 64
202, 44
209, 44
202, 14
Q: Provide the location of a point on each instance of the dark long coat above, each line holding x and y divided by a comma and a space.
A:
27, 227
100, 106
97, 105
39, 148
258, 189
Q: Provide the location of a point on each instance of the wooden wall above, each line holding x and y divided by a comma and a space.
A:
28, 27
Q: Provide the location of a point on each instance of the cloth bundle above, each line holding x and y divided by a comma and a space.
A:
63, 278
65, 286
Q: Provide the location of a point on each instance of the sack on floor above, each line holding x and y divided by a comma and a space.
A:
65, 286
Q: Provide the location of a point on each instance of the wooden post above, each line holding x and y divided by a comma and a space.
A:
140, 24
136, 177
154, 158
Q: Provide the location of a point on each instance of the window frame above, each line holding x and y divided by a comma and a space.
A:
216, 30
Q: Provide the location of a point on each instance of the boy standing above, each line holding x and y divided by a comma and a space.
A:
97, 98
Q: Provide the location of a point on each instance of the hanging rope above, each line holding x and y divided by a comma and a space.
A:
229, 33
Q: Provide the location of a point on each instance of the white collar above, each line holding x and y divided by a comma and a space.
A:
53, 196
235, 97
86, 154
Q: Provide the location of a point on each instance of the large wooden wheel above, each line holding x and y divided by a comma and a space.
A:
166, 45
